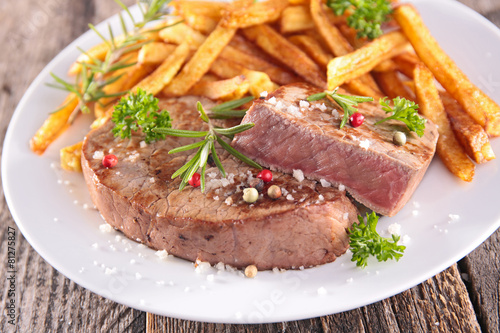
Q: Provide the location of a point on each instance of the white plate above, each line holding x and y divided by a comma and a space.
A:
48, 206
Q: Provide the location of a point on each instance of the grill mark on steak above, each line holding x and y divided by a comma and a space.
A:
193, 225
376, 172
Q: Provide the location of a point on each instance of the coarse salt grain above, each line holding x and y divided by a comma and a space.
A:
346, 216
98, 155
105, 227
405, 240
162, 254
110, 271
216, 198
394, 229
414, 212
335, 113
321, 197
263, 94
304, 104
365, 144
289, 197
280, 105
202, 266
95, 246
454, 217
349, 280
143, 144
138, 276
322, 291
322, 107
210, 277
341, 187
299, 175
272, 100
229, 201
132, 261
325, 183
151, 180
292, 109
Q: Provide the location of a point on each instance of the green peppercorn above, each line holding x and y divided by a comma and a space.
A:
399, 138
250, 195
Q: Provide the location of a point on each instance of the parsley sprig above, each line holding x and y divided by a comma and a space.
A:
365, 242
405, 111
97, 74
366, 15
140, 112
347, 102
207, 145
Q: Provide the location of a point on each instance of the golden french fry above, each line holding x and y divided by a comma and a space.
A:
280, 48
406, 62
54, 125
295, 19
471, 136
155, 53
298, 2
221, 90
259, 81
475, 102
339, 46
179, 32
355, 64
71, 157
200, 23
256, 13
431, 106
201, 61
313, 48
392, 86
252, 62
213, 9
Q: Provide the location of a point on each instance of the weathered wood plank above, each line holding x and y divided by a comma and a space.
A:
46, 301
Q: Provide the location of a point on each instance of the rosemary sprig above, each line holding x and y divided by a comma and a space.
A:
230, 109
96, 74
347, 102
206, 147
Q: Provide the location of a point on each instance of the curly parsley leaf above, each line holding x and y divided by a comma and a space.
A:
405, 111
347, 102
365, 242
140, 111
366, 16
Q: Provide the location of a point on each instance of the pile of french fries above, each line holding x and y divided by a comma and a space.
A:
225, 51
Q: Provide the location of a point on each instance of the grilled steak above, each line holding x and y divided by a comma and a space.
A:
291, 134
305, 227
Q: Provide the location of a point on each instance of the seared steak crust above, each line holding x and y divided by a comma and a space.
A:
291, 134
138, 197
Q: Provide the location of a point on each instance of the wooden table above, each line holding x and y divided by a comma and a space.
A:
464, 298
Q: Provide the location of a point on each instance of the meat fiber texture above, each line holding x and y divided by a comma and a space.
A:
293, 134
306, 227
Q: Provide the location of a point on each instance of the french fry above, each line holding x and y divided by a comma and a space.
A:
154, 53
339, 46
475, 102
355, 64
54, 125
298, 2
257, 13
295, 19
71, 157
201, 61
313, 48
406, 63
392, 86
249, 61
223, 89
280, 48
259, 81
178, 33
471, 136
213, 9
201, 23
431, 106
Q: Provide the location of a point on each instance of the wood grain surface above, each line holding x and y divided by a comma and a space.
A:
463, 298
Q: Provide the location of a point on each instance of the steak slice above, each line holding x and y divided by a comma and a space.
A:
307, 227
291, 133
